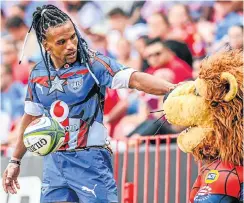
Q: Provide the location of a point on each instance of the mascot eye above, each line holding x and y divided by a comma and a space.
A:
196, 92
214, 103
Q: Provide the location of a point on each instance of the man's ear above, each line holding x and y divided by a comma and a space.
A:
46, 46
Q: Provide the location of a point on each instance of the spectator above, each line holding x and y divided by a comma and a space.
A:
3, 24
9, 55
183, 29
225, 17
29, 6
135, 12
140, 45
124, 54
17, 10
5, 124
86, 13
98, 39
120, 27
180, 49
114, 109
118, 20
18, 30
235, 34
164, 63
12, 94
158, 26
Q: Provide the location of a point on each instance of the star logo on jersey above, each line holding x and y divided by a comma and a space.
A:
56, 85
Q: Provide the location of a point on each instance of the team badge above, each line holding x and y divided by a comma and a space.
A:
59, 110
75, 84
212, 176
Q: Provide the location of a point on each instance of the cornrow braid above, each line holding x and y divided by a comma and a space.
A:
50, 16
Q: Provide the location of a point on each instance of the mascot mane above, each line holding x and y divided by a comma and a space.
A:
226, 141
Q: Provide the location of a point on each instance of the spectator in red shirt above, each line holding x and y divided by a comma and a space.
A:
164, 63
10, 57
114, 110
184, 29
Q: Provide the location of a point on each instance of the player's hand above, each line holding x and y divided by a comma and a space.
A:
172, 86
10, 175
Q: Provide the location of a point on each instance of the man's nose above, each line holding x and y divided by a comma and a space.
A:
70, 45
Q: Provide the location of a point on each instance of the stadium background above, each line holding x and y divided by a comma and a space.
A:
127, 31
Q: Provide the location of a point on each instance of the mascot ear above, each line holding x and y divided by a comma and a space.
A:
233, 86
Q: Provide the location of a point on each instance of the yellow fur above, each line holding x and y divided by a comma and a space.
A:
212, 106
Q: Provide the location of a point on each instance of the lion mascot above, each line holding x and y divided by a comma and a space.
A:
211, 107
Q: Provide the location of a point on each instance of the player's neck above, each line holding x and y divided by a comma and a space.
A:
57, 63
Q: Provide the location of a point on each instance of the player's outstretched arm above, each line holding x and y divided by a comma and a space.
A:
150, 84
10, 175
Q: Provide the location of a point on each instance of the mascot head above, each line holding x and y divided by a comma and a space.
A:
211, 107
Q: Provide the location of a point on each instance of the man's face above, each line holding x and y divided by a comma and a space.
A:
62, 43
157, 27
9, 54
156, 54
6, 78
178, 15
118, 22
236, 37
18, 34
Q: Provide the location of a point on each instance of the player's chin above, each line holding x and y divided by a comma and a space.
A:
71, 59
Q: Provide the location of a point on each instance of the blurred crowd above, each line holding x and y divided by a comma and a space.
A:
167, 39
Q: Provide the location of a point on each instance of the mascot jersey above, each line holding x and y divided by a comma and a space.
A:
218, 183
72, 97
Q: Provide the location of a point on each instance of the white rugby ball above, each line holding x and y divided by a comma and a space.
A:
43, 136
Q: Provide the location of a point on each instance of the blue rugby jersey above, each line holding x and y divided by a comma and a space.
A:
72, 97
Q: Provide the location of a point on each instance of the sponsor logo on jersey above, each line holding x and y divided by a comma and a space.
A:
75, 84
59, 110
71, 128
203, 194
212, 176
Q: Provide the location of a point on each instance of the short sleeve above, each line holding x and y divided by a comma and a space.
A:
110, 73
32, 104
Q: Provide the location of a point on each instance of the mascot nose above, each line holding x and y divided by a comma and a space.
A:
166, 95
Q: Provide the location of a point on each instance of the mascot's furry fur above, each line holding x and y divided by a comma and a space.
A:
212, 109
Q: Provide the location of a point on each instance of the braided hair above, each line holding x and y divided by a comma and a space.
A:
50, 16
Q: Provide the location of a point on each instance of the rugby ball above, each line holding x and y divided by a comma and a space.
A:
43, 136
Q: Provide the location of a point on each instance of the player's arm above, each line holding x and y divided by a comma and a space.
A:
33, 110
10, 175
20, 148
149, 84
114, 75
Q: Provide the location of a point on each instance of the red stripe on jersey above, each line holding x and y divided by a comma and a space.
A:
112, 73
42, 80
82, 135
67, 75
82, 72
66, 139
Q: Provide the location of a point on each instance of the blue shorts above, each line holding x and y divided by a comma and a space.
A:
82, 176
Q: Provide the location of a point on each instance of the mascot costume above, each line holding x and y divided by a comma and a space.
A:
211, 107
